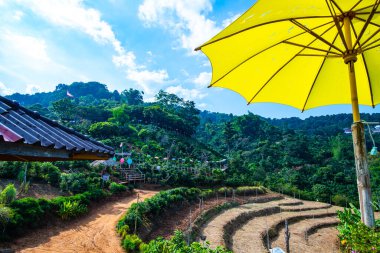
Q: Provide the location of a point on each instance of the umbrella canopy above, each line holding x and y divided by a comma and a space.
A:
293, 52
306, 54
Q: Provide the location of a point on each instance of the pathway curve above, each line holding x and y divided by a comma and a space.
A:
94, 233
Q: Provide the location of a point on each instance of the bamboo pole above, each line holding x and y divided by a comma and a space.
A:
358, 137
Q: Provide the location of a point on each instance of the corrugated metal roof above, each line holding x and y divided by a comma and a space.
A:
20, 125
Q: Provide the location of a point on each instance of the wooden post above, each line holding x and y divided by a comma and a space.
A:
267, 231
287, 237
362, 174
138, 197
190, 229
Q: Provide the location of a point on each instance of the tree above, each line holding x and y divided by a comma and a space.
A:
120, 115
103, 130
64, 109
228, 133
133, 97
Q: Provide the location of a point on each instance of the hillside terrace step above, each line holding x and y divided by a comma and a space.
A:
213, 230
295, 203
300, 232
249, 238
304, 208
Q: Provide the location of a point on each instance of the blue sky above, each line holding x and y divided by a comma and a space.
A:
141, 44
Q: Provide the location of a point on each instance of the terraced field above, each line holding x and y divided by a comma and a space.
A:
245, 228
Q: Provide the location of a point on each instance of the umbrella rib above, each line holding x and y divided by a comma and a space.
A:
366, 41
369, 6
321, 55
366, 68
312, 48
363, 20
279, 70
255, 26
366, 13
369, 48
355, 5
316, 77
315, 35
376, 5
263, 52
331, 9
337, 6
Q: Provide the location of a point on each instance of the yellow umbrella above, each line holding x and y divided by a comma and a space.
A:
304, 53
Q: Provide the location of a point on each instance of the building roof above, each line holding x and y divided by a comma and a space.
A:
28, 136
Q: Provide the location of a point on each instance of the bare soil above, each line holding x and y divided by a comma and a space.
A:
322, 240
179, 217
249, 238
93, 233
213, 230
36, 190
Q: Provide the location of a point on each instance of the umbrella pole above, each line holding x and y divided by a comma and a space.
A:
358, 137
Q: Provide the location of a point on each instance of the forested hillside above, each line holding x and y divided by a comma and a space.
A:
312, 157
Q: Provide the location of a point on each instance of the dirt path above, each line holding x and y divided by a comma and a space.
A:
94, 233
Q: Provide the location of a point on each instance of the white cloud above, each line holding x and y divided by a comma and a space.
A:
127, 59
206, 64
32, 88
187, 94
228, 21
202, 106
146, 77
186, 19
4, 90
26, 59
25, 47
18, 15
203, 79
74, 15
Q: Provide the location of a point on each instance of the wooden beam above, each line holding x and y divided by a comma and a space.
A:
10, 151
26, 150
90, 156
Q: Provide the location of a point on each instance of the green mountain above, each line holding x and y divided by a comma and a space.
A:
311, 157
77, 89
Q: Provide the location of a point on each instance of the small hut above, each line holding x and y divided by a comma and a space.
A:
28, 136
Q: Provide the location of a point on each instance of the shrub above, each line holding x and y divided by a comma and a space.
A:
250, 190
123, 231
131, 243
29, 212
74, 182
117, 188
340, 200
6, 214
354, 235
53, 175
321, 192
207, 194
143, 212
8, 195
97, 194
82, 198
71, 209
225, 191
177, 243
10, 169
